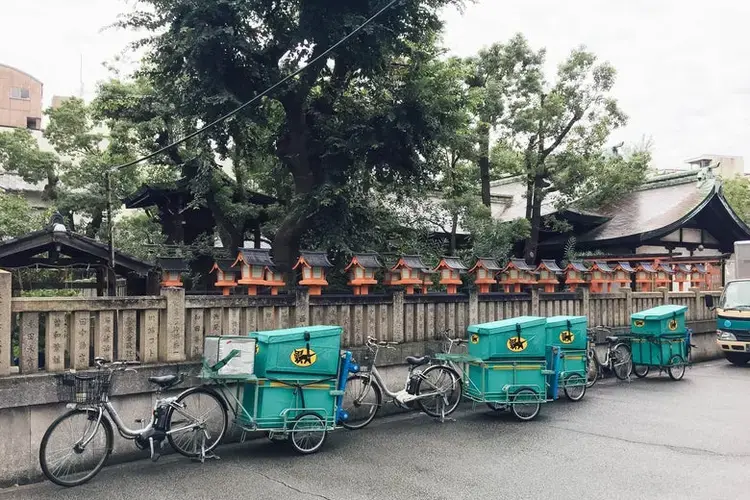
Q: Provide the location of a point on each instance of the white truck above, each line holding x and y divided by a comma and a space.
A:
733, 308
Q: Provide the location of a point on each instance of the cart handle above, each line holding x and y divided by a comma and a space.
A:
221, 364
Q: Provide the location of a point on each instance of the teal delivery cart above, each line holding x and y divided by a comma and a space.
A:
569, 333
520, 385
295, 393
660, 339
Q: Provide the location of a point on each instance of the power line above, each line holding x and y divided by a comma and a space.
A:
262, 94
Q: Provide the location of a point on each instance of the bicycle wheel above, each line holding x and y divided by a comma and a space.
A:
676, 368
592, 369
362, 400
622, 362
308, 433
641, 370
575, 387
445, 383
525, 405
196, 422
75, 447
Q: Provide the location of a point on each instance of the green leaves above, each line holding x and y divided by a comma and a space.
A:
737, 192
17, 217
20, 154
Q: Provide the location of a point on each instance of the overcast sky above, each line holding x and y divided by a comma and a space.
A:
683, 67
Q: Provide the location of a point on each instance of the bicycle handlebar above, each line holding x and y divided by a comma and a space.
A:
372, 341
105, 363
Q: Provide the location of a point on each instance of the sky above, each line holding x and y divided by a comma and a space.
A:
683, 66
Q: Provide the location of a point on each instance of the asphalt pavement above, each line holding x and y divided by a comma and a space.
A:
651, 438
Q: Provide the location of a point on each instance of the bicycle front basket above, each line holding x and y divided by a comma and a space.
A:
87, 388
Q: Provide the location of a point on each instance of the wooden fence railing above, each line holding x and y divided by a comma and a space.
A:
54, 334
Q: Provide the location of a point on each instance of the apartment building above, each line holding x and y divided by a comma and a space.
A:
20, 99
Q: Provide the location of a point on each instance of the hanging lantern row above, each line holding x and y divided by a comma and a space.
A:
254, 268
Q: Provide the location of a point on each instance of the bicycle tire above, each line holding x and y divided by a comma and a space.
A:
178, 447
573, 388
625, 353
372, 386
592, 369
644, 369
109, 437
300, 442
457, 391
533, 399
676, 369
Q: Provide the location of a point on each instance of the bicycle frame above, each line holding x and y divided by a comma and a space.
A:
395, 396
126, 431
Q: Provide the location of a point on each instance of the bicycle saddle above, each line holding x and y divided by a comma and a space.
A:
612, 339
414, 361
164, 381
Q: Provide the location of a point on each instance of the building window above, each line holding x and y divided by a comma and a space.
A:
33, 123
19, 93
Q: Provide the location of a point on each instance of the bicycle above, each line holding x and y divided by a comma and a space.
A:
617, 358
448, 345
180, 420
437, 384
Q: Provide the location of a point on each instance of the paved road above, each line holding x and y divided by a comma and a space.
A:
651, 438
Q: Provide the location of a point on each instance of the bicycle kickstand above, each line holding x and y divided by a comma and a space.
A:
203, 455
443, 418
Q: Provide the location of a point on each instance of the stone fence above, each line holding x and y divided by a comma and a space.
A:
55, 334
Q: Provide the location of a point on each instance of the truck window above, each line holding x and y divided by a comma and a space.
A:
736, 296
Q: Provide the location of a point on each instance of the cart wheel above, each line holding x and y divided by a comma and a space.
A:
641, 370
277, 437
676, 368
525, 405
574, 387
592, 369
497, 406
308, 433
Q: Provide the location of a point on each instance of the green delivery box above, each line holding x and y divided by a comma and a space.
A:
270, 403
308, 350
668, 319
650, 350
500, 380
509, 338
568, 332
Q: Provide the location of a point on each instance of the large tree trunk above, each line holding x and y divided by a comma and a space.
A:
293, 152
454, 228
484, 162
96, 224
530, 250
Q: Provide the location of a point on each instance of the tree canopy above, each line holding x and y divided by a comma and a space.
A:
388, 144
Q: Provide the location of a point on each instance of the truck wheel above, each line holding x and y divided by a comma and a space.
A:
736, 358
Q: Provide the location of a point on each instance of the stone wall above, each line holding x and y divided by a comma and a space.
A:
55, 334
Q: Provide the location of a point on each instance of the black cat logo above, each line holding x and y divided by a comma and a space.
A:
517, 344
303, 357
567, 337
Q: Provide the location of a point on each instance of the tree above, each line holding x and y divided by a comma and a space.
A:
20, 154
75, 171
501, 75
737, 192
364, 120
17, 217
560, 130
